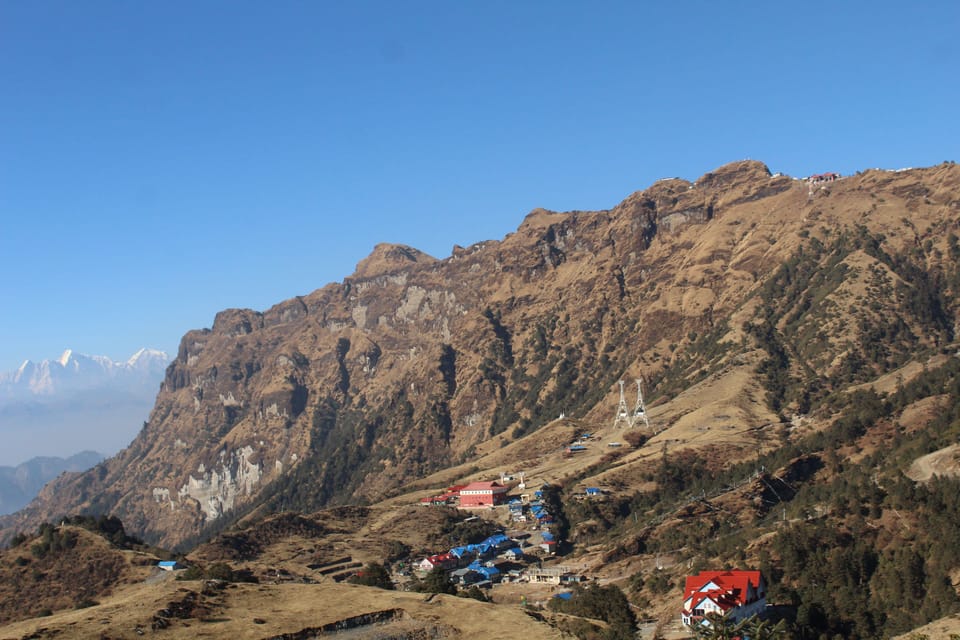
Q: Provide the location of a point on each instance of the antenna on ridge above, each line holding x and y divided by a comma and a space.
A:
622, 414
640, 410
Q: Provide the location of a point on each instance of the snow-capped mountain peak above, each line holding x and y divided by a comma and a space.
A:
147, 357
76, 401
74, 371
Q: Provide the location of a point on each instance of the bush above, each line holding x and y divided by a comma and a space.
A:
373, 575
218, 571
436, 582
635, 438
18, 539
607, 603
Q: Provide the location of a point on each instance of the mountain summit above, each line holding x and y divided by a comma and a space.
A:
740, 299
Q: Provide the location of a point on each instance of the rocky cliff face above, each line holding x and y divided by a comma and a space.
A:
412, 363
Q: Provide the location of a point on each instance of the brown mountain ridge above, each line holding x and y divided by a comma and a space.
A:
413, 365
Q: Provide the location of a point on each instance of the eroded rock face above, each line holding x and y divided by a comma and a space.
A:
410, 363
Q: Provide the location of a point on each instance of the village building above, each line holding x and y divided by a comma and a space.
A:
169, 565
741, 594
466, 576
482, 494
491, 574
464, 555
823, 177
515, 554
549, 544
554, 575
446, 561
499, 541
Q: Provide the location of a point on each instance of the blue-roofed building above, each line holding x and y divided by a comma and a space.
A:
491, 573
169, 565
463, 555
593, 492
466, 576
515, 554
498, 541
547, 535
482, 550
565, 595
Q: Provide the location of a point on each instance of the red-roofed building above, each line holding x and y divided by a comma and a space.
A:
446, 561
483, 494
742, 593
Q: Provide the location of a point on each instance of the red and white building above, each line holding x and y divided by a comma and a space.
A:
742, 593
446, 561
483, 494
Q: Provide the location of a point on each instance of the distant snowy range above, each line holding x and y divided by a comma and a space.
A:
66, 414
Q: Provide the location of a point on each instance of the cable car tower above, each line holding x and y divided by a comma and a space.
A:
623, 415
640, 410
639, 413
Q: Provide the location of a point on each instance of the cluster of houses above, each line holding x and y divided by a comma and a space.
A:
475, 563
487, 562
523, 509
737, 594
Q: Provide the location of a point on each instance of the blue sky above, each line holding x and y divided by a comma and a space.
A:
160, 161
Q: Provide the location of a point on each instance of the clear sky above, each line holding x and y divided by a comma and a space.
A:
160, 161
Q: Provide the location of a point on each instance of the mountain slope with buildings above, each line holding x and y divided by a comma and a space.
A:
795, 345
763, 292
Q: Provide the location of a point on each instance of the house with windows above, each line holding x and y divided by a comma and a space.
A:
741, 594
483, 494
491, 574
514, 555
446, 561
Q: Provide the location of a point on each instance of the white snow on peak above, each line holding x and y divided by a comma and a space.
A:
147, 355
77, 401
73, 371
